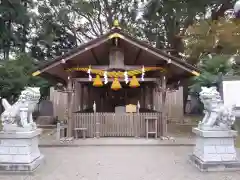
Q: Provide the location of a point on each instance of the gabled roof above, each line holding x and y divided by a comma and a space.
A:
135, 47
79, 49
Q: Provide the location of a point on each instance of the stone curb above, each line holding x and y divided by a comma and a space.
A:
105, 145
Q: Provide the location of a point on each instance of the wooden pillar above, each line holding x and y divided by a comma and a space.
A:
164, 114
125, 97
90, 103
77, 96
82, 96
85, 97
144, 97
69, 106
102, 97
151, 96
147, 97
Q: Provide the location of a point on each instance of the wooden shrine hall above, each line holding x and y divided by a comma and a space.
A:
116, 85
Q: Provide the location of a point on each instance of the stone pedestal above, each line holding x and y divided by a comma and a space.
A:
19, 151
215, 151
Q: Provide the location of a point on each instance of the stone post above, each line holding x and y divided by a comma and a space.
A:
97, 120
58, 131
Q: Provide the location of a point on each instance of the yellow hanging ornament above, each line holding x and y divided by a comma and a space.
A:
134, 82
116, 85
97, 82
115, 23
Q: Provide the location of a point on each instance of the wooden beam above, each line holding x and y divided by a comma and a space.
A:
167, 59
164, 93
89, 97
173, 80
74, 54
53, 78
70, 105
152, 97
95, 57
137, 56
144, 97
126, 67
120, 79
65, 65
82, 96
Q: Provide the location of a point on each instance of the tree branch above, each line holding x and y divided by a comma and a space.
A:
99, 18
109, 14
88, 18
216, 14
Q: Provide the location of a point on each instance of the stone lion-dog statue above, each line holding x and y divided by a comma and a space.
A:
18, 117
217, 115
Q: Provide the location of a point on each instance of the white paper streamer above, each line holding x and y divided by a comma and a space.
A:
89, 74
126, 77
105, 77
94, 106
143, 73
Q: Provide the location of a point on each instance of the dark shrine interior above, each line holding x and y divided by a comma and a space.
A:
107, 99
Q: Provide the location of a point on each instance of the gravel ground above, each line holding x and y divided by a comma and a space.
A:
120, 163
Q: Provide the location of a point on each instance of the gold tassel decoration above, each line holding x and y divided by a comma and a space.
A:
97, 82
134, 82
116, 85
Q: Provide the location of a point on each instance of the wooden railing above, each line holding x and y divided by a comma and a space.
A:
116, 125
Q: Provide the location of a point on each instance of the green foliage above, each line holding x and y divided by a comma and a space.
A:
16, 74
165, 22
14, 26
211, 68
61, 25
222, 37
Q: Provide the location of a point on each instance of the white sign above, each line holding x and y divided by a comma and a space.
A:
231, 91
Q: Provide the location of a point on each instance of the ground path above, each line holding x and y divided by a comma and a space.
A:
120, 163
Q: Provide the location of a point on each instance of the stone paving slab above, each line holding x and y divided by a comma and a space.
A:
50, 141
118, 142
120, 163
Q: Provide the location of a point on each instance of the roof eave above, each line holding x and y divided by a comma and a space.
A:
116, 32
52, 78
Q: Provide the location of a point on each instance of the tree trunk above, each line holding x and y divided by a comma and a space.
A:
24, 32
7, 44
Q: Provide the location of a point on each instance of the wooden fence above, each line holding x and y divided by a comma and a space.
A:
117, 125
174, 103
59, 100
